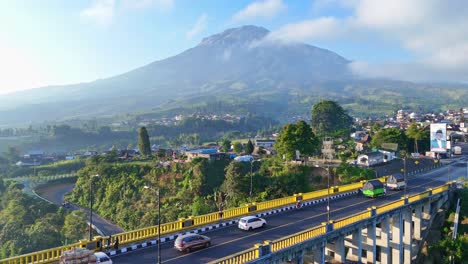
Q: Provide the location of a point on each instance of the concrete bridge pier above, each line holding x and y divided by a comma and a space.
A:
426, 211
397, 234
319, 254
417, 222
355, 252
337, 250
385, 249
371, 254
407, 235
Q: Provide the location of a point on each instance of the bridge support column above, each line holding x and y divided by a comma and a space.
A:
417, 222
338, 248
356, 251
300, 258
385, 256
397, 233
426, 211
408, 233
319, 255
371, 242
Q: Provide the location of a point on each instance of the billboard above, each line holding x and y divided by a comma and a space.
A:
439, 138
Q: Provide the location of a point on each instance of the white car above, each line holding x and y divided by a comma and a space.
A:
102, 258
251, 222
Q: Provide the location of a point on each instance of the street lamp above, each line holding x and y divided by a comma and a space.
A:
159, 221
404, 174
91, 207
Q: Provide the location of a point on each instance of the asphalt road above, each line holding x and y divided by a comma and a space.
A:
231, 239
56, 192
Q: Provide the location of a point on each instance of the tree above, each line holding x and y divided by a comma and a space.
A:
75, 227
294, 137
233, 184
225, 145
238, 147
389, 135
143, 142
249, 148
329, 118
416, 133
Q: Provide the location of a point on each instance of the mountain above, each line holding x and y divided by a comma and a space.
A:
232, 61
239, 63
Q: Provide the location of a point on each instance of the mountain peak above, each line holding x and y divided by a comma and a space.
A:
240, 35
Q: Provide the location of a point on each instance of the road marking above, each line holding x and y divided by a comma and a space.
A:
287, 224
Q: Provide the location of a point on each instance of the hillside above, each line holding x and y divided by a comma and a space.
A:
235, 64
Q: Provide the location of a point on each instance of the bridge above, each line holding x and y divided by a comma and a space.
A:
391, 233
138, 246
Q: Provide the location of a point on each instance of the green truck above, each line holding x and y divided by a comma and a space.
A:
373, 188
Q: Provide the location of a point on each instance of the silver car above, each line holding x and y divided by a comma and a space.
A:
189, 242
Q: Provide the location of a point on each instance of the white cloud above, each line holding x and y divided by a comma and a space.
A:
433, 31
198, 27
163, 5
101, 12
325, 27
263, 9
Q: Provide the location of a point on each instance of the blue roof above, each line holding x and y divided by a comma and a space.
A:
203, 151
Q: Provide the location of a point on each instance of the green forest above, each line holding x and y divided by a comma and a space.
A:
29, 224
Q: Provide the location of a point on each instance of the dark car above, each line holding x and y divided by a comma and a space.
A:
189, 242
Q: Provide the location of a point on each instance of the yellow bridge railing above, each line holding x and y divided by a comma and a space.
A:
297, 238
240, 257
51, 255
311, 233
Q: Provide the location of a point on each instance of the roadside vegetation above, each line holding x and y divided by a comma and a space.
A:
449, 250
29, 224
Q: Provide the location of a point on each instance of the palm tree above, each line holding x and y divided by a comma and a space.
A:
415, 132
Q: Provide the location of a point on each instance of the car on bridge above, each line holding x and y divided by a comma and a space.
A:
102, 258
190, 241
251, 222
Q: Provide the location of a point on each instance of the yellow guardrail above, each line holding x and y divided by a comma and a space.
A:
261, 206
44, 256
350, 187
240, 257
440, 189
390, 206
201, 219
297, 238
417, 197
178, 226
352, 219
316, 194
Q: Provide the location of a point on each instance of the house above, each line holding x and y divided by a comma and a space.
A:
265, 143
389, 150
210, 154
360, 144
370, 159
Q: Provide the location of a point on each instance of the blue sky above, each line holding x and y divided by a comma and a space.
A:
53, 42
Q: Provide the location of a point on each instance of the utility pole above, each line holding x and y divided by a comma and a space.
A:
327, 151
157, 191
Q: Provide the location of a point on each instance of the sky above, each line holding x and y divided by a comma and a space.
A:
55, 42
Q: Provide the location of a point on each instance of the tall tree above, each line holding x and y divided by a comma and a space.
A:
249, 148
144, 142
415, 132
294, 137
226, 145
238, 147
329, 118
233, 184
